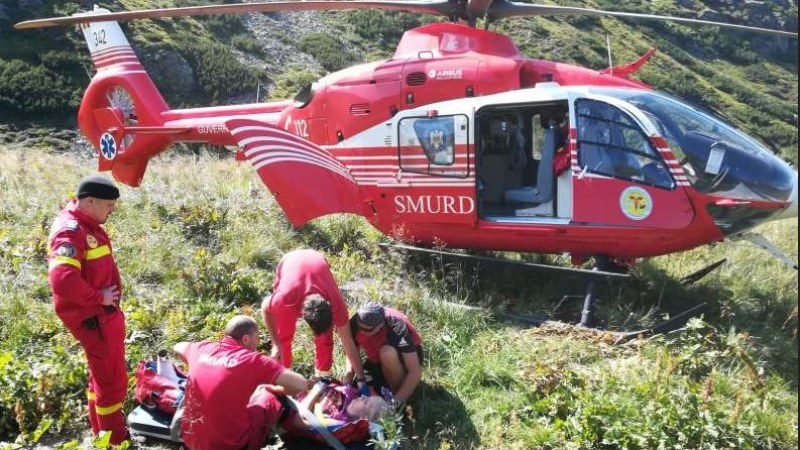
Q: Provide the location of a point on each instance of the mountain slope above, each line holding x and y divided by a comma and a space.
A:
749, 79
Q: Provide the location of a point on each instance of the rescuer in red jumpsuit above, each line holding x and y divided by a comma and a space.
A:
304, 287
228, 405
86, 293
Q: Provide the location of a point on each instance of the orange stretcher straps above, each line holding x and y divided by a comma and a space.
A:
59, 260
106, 410
98, 252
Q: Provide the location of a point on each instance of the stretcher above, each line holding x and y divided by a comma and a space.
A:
152, 423
147, 422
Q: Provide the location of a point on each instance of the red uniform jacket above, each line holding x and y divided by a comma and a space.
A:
301, 273
222, 377
81, 263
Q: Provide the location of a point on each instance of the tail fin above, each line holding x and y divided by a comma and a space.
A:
120, 99
629, 69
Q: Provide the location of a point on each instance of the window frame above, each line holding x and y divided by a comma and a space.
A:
432, 166
652, 155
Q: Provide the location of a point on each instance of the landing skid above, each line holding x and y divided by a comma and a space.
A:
617, 337
591, 274
602, 262
601, 271
697, 275
672, 324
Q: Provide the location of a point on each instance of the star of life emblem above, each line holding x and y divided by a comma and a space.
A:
108, 146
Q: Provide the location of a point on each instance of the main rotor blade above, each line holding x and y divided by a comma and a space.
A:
439, 7
504, 8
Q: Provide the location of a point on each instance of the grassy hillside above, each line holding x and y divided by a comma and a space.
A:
200, 240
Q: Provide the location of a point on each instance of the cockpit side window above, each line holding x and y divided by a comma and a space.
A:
429, 145
717, 158
610, 143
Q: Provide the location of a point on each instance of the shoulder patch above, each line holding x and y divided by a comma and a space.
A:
67, 250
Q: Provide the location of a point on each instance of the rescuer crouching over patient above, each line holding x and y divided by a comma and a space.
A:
393, 348
305, 287
223, 409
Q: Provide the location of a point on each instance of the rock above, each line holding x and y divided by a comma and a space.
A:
279, 32
171, 72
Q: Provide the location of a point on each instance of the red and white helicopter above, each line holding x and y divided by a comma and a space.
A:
453, 140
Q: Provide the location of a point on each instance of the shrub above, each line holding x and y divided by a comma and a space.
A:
328, 51
219, 74
249, 44
201, 223
34, 89
207, 279
289, 83
383, 27
39, 387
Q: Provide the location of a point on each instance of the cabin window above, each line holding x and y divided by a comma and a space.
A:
611, 143
430, 145
304, 97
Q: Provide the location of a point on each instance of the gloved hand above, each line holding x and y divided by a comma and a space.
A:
363, 389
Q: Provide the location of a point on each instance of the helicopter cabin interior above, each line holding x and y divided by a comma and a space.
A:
515, 147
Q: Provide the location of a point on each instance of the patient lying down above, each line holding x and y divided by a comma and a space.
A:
342, 410
335, 402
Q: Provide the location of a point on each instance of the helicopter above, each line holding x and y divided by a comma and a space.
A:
460, 141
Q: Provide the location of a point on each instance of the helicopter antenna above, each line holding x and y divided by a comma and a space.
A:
608, 46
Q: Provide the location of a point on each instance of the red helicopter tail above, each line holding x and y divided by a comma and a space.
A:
306, 180
121, 111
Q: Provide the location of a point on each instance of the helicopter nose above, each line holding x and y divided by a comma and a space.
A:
791, 211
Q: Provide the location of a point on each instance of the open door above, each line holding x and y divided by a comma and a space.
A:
622, 177
522, 158
305, 179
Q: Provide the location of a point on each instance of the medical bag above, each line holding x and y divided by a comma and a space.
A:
159, 385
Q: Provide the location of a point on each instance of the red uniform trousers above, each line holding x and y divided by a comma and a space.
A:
266, 413
108, 376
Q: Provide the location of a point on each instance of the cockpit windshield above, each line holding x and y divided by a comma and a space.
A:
717, 158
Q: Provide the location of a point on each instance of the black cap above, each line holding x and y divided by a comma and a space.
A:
371, 314
98, 187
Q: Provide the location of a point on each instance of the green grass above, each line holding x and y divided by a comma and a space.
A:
199, 241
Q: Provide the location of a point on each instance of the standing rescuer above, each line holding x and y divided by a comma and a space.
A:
86, 294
